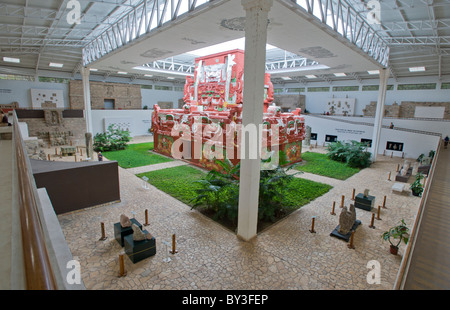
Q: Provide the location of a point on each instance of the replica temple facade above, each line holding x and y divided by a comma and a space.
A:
209, 126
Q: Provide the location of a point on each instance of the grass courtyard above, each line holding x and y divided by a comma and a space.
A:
136, 155
317, 163
179, 182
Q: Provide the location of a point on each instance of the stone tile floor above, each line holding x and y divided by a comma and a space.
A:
284, 256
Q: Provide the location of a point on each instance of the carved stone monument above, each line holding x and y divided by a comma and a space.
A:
347, 223
307, 140
89, 145
346, 220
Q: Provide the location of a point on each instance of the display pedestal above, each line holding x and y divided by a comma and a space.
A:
365, 203
139, 250
120, 232
335, 232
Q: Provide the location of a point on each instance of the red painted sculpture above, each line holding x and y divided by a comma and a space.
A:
208, 127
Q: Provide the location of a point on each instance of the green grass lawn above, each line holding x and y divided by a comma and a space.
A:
136, 155
320, 164
179, 183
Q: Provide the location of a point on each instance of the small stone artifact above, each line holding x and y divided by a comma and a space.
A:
366, 193
346, 220
124, 221
138, 234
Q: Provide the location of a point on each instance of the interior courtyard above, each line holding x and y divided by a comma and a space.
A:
375, 74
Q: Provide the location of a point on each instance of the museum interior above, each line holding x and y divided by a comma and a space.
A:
134, 133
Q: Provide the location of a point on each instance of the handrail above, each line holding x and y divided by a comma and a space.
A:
38, 270
430, 133
404, 265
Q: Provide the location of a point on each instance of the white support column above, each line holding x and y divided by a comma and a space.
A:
87, 98
384, 75
257, 12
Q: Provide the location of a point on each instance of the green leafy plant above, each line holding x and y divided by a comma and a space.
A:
399, 232
420, 158
353, 153
113, 139
219, 192
416, 186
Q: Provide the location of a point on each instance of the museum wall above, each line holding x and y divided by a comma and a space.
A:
316, 102
290, 102
414, 143
125, 96
137, 122
436, 126
20, 91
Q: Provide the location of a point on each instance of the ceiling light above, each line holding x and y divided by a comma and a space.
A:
143, 68
122, 72
340, 74
416, 69
373, 71
223, 47
286, 78
148, 75
93, 69
310, 76
55, 64
10, 59
170, 78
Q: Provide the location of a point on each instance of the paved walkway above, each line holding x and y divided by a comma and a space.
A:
284, 256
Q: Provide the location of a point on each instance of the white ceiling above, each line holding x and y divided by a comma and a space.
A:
37, 32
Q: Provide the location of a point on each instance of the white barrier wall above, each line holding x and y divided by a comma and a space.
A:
138, 122
414, 144
438, 126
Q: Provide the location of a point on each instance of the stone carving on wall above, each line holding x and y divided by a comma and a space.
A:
53, 117
341, 106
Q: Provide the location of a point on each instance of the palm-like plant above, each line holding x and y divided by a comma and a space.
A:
219, 192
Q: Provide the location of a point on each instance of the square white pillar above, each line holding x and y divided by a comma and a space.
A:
384, 75
257, 12
85, 72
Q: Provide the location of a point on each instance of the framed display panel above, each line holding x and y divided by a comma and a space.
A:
42, 98
367, 141
394, 146
330, 138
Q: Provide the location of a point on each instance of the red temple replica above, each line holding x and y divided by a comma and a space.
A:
209, 126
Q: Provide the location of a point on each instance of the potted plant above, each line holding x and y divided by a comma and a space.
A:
416, 186
400, 233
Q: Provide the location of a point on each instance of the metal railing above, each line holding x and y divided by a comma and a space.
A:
342, 18
404, 265
150, 15
38, 270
